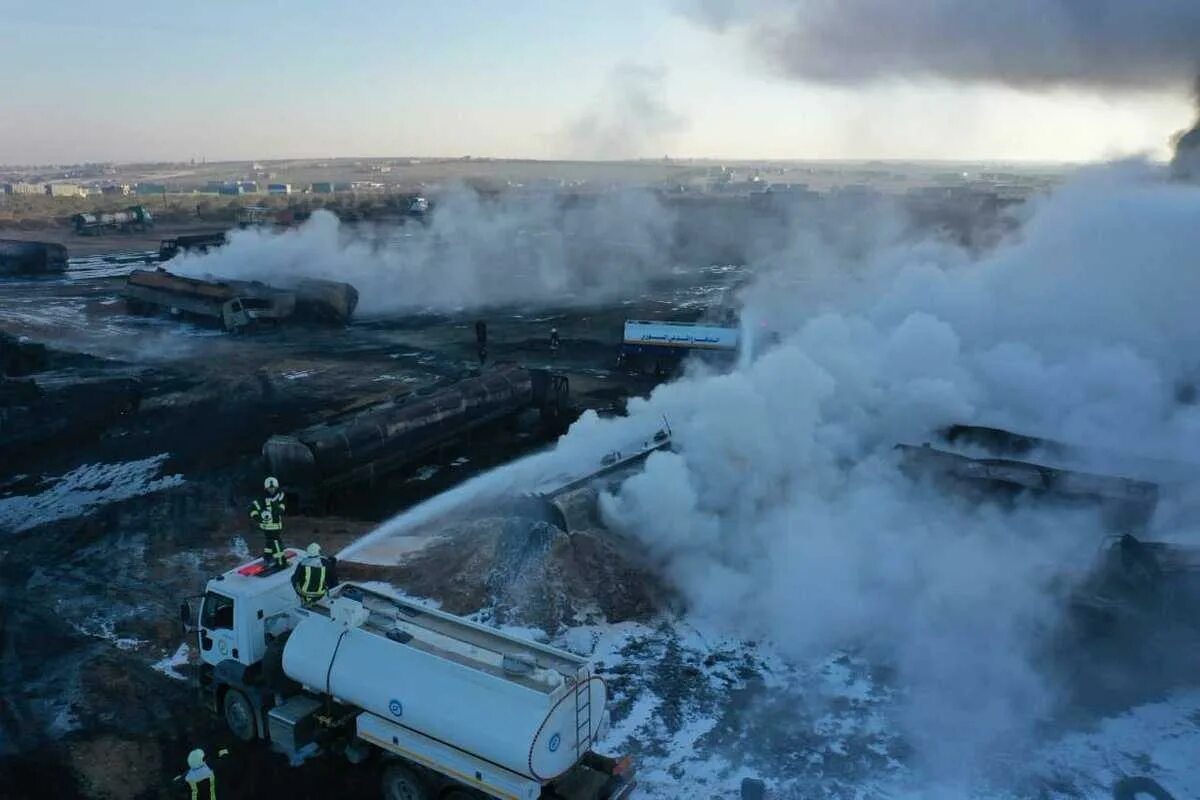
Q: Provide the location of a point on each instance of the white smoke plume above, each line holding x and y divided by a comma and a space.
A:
1031, 44
631, 118
516, 248
783, 513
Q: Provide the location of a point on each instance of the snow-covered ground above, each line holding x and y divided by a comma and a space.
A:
82, 489
700, 711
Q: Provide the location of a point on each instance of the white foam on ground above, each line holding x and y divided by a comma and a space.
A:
845, 712
169, 665
79, 491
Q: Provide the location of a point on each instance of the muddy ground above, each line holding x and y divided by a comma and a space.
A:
89, 597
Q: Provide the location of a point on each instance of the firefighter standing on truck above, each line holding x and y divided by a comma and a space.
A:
315, 575
268, 513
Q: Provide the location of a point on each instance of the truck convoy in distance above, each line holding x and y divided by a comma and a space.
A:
237, 305
369, 443
662, 345
134, 218
457, 709
31, 258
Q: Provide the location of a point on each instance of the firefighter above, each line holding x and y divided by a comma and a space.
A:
315, 575
554, 341
268, 513
199, 772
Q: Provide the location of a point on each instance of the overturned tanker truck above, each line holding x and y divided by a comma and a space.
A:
996, 459
453, 708
369, 443
237, 305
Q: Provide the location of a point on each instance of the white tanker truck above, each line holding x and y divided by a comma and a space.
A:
458, 709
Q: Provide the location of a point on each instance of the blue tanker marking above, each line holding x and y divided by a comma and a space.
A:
396, 708
555, 741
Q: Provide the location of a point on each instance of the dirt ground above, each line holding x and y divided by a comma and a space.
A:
89, 601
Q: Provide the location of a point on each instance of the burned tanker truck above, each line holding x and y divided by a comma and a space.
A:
366, 444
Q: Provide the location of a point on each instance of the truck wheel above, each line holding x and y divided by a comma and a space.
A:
239, 716
399, 783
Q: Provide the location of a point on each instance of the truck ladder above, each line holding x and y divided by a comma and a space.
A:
583, 715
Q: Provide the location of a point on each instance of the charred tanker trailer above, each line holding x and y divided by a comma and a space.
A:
31, 258
383, 438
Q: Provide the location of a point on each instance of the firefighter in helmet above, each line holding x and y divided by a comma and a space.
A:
315, 575
268, 513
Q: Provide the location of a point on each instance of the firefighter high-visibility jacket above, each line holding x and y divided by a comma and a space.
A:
268, 513
310, 579
314, 576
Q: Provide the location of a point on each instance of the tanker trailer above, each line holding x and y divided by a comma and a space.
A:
458, 709
234, 305
386, 437
31, 258
132, 218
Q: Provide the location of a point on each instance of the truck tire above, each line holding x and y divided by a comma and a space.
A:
401, 783
1138, 788
239, 716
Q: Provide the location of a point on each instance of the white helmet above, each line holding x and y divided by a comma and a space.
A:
314, 550
196, 759
271, 485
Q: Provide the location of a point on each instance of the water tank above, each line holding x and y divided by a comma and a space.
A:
505, 700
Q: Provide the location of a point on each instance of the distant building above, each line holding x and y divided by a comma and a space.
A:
21, 187
231, 188
214, 187
248, 187
150, 188
279, 188
116, 190
64, 190
328, 187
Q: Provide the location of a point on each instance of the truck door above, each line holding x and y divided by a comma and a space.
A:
217, 638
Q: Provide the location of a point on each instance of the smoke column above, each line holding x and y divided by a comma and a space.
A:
783, 514
1028, 44
519, 248
1186, 163
630, 119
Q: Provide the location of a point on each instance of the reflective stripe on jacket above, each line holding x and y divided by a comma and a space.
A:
199, 775
269, 512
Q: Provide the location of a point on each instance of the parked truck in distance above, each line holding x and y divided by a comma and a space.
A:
134, 218
457, 709
190, 243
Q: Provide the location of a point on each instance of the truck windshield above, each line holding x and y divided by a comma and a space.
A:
217, 612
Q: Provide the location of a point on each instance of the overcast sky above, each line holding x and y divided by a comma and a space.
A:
239, 79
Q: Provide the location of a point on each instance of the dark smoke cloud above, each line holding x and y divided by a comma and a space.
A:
1028, 44
630, 119
1186, 162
